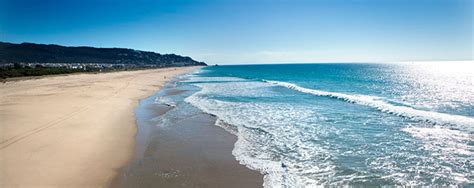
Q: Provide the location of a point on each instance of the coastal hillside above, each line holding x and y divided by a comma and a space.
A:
29, 53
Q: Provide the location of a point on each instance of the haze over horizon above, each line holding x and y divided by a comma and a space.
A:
238, 32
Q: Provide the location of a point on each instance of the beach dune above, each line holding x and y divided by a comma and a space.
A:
74, 130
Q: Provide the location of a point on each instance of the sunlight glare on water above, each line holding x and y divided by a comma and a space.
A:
346, 124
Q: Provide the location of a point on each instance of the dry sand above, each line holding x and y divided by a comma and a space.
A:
71, 131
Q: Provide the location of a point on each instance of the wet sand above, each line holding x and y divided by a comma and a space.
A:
191, 152
72, 130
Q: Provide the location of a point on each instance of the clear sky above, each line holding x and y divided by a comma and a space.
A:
252, 31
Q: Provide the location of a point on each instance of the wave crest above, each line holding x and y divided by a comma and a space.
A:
437, 118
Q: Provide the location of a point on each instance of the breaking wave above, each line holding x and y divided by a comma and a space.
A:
461, 122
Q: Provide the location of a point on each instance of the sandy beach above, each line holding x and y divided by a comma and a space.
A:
178, 145
74, 130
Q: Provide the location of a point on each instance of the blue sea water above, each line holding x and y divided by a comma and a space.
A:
345, 124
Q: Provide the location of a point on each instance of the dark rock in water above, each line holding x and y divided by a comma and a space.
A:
212, 115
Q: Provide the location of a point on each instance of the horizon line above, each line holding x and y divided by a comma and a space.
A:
270, 63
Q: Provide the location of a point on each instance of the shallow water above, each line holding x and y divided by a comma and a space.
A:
345, 124
177, 145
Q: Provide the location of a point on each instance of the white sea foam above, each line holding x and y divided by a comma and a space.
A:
265, 130
166, 101
444, 141
238, 88
250, 147
461, 122
212, 79
271, 134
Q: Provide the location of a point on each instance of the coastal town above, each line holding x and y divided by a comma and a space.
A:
89, 66
29, 59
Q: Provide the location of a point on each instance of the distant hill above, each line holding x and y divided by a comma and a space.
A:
41, 53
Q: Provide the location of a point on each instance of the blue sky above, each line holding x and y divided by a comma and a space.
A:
244, 31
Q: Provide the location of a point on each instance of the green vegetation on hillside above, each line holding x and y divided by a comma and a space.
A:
28, 59
18, 71
41, 53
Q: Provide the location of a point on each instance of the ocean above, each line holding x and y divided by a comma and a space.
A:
344, 124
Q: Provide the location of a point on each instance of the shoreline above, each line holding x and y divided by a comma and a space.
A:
72, 130
178, 145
